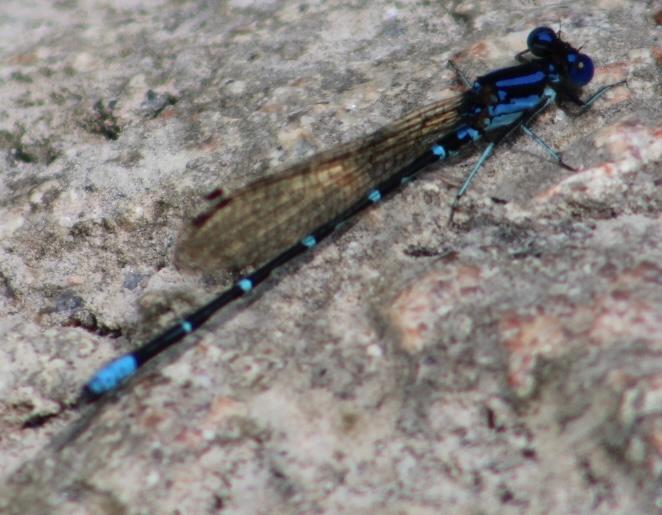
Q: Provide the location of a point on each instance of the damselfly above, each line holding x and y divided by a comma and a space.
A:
272, 220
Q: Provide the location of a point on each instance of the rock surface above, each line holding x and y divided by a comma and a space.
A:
509, 364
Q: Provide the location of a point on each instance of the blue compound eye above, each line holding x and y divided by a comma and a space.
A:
540, 41
580, 69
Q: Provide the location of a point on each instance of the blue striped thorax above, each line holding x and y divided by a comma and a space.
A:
501, 98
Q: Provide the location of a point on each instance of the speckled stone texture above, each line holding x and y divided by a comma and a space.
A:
509, 364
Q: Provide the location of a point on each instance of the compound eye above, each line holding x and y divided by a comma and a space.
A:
541, 40
580, 69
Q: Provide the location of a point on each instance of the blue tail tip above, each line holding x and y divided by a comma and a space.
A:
110, 376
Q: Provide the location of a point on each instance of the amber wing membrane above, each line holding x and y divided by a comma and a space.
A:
264, 218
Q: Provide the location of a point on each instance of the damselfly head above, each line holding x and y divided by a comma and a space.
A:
577, 67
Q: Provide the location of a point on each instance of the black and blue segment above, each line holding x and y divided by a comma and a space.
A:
495, 106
